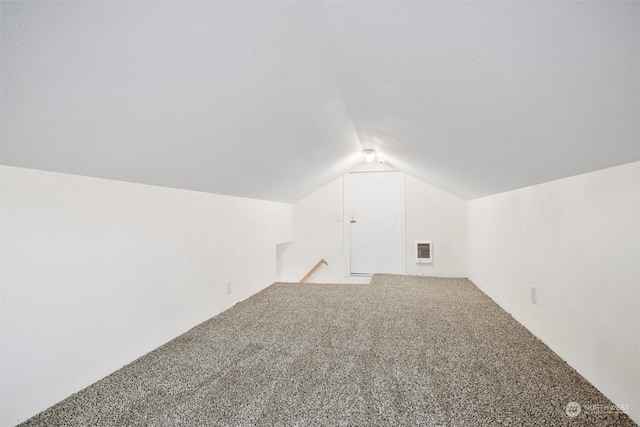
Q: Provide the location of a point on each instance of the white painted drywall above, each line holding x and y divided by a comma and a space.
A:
139, 91
435, 215
96, 273
430, 214
577, 240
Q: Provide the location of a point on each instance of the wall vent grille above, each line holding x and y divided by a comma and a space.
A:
424, 252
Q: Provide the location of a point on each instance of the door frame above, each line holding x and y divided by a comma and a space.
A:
346, 229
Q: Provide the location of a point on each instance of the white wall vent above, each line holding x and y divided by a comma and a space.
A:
424, 252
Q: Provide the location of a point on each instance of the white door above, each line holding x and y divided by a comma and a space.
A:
376, 222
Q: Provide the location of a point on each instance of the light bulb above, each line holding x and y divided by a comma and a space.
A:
369, 155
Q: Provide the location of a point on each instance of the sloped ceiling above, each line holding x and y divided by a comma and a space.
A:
272, 100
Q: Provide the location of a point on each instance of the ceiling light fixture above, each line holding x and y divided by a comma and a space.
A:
369, 155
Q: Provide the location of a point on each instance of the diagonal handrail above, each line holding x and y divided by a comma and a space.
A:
313, 270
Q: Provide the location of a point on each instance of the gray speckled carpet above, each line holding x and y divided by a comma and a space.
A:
403, 351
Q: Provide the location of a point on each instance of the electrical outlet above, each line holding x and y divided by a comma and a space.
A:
228, 287
534, 295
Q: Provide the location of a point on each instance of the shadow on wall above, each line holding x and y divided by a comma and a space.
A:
280, 248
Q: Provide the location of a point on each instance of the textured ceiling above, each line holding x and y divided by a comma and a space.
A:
272, 100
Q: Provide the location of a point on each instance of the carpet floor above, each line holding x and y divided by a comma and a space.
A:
402, 351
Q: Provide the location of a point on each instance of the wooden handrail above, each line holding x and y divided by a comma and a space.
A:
313, 270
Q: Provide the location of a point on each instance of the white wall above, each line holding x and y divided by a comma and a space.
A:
578, 241
435, 215
431, 214
96, 273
